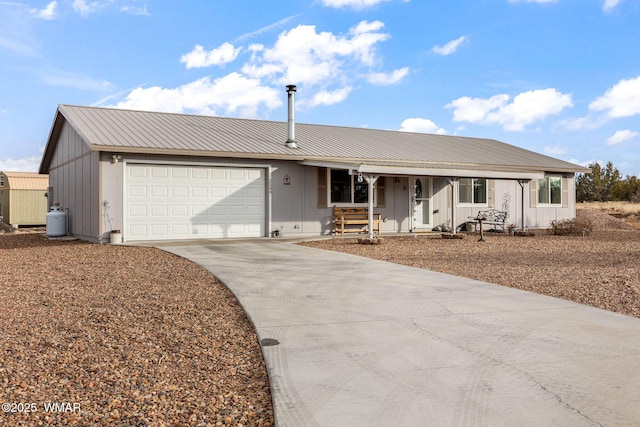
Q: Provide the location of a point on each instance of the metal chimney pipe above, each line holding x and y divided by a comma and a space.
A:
291, 135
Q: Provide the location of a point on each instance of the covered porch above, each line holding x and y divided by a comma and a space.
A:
436, 199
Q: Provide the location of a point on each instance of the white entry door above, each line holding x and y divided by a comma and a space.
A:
421, 203
167, 202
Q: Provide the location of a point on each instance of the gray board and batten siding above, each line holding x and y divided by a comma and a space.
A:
92, 151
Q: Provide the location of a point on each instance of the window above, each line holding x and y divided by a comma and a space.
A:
345, 188
472, 191
550, 191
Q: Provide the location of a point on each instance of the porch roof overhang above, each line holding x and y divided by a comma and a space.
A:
417, 170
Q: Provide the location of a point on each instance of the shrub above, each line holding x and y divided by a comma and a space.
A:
571, 227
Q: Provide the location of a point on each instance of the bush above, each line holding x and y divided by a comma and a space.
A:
571, 227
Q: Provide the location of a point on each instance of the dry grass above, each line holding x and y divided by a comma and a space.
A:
135, 336
623, 207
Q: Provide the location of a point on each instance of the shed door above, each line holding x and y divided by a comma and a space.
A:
165, 202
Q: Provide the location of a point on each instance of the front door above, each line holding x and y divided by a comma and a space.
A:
421, 202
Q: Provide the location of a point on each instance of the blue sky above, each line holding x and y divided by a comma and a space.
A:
560, 77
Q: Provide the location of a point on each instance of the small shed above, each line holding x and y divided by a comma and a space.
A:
22, 198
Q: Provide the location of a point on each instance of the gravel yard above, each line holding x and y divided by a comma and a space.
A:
601, 269
132, 336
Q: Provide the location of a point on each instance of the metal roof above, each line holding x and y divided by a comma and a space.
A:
117, 130
25, 180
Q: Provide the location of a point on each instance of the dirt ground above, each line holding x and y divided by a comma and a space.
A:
122, 336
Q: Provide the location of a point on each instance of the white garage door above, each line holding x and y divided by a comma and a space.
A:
181, 202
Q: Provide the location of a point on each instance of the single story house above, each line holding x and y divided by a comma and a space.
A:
22, 198
159, 176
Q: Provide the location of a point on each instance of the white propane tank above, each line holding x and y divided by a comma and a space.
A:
56, 221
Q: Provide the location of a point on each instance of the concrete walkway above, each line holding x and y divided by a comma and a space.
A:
352, 342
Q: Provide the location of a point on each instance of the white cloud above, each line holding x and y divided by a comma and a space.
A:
421, 126
48, 13
84, 8
26, 164
622, 100
621, 136
555, 150
324, 65
609, 5
353, 4
198, 58
388, 79
450, 47
324, 97
303, 56
232, 94
475, 110
525, 109
133, 10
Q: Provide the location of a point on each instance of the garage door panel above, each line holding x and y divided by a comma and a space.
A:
179, 191
200, 173
199, 192
255, 210
218, 173
180, 230
159, 229
137, 171
159, 210
159, 191
182, 211
179, 173
255, 193
237, 174
140, 211
137, 231
159, 172
180, 202
137, 191
218, 193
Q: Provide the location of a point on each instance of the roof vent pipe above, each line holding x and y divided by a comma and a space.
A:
291, 135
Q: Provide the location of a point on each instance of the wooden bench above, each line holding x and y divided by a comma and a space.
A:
492, 216
354, 216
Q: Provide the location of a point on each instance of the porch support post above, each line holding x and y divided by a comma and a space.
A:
371, 180
522, 182
453, 181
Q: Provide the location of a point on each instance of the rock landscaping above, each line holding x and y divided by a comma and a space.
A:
104, 335
601, 269
107, 335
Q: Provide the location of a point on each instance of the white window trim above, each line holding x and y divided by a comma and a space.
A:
473, 205
346, 205
549, 205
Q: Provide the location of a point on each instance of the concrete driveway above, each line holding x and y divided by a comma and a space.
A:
350, 341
